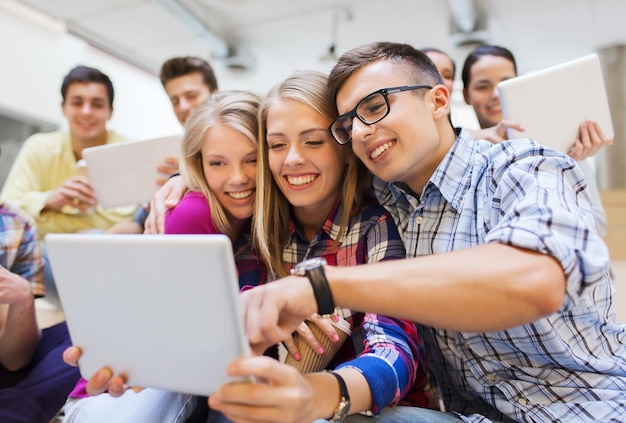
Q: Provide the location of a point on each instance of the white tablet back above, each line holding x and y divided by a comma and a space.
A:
163, 310
552, 103
126, 173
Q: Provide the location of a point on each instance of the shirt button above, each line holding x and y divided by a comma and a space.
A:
491, 377
522, 401
419, 220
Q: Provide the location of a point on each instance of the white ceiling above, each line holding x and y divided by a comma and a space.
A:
297, 33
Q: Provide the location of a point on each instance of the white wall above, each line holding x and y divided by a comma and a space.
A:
36, 58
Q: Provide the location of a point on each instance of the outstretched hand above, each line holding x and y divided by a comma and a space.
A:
275, 310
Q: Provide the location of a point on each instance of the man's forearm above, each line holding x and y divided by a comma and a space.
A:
482, 289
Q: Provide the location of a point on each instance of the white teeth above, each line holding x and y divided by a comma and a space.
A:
241, 194
380, 150
300, 180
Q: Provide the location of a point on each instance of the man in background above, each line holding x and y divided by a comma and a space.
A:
188, 81
44, 180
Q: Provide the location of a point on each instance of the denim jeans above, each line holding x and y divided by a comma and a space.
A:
37, 392
147, 406
402, 415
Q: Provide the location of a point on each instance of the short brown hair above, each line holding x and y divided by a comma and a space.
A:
85, 74
419, 67
179, 66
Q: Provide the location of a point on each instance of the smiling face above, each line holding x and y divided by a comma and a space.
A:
229, 164
186, 93
306, 163
408, 144
86, 107
482, 90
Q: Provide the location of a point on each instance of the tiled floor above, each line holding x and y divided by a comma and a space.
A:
47, 314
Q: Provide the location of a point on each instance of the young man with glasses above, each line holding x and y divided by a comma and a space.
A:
508, 280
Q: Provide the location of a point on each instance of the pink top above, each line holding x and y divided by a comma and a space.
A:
192, 215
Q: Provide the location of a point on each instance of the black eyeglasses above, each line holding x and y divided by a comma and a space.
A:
370, 110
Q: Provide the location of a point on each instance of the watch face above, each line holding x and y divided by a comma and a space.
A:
341, 411
311, 263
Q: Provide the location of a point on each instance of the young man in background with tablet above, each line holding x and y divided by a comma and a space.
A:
44, 180
188, 81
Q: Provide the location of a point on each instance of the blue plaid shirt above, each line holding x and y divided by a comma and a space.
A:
20, 251
383, 349
568, 366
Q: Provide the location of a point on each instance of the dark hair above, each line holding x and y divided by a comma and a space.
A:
85, 74
179, 66
426, 50
419, 67
484, 50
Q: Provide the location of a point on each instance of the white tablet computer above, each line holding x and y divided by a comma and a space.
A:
162, 310
552, 103
126, 173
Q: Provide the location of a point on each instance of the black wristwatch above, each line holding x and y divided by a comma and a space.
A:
343, 408
314, 270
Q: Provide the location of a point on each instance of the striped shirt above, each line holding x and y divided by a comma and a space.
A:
568, 366
20, 252
383, 349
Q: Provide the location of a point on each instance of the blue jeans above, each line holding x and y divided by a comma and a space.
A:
37, 392
149, 406
403, 415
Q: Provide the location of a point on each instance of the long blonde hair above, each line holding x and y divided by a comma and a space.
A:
235, 109
272, 209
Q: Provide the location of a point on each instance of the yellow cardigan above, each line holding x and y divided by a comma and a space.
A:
43, 164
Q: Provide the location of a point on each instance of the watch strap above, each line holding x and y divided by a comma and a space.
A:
321, 290
343, 408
